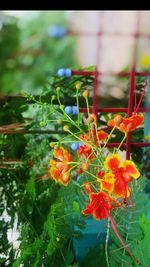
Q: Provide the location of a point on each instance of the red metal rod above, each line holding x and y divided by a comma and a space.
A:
96, 81
119, 74
141, 98
84, 110
132, 83
31, 132
83, 73
135, 144
130, 107
117, 34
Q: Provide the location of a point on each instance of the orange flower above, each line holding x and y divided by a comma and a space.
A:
116, 181
100, 206
59, 170
102, 135
115, 121
86, 151
90, 138
128, 124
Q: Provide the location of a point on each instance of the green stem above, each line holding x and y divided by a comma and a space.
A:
109, 136
106, 243
91, 174
87, 104
125, 136
77, 98
77, 126
79, 138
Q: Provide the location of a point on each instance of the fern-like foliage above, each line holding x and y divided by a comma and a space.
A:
131, 228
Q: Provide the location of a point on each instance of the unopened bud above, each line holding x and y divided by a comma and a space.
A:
85, 166
66, 177
87, 187
58, 89
43, 123
91, 119
53, 97
78, 85
59, 122
52, 144
86, 93
66, 128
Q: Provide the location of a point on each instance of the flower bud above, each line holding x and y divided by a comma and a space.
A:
58, 89
87, 187
91, 119
66, 128
78, 85
43, 123
85, 166
66, 177
52, 144
59, 122
53, 97
86, 93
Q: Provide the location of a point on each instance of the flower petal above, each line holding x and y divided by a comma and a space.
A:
130, 168
62, 154
121, 188
100, 206
131, 123
115, 121
86, 151
108, 182
102, 135
113, 162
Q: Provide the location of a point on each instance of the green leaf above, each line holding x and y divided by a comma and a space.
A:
76, 207
30, 189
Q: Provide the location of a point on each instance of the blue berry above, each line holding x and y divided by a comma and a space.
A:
75, 110
68, 110
78, 178
68, 72
74, 146
56, 31
81, 144
61, 72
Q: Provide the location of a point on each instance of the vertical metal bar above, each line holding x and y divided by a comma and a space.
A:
146, 159
97, 81
132, 82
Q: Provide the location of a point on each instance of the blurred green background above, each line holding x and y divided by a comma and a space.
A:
28, 55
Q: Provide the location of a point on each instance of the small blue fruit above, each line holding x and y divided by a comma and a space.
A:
75, 110
61, 72
74, 146
68, 110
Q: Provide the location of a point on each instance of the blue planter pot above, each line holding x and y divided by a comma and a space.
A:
93, 234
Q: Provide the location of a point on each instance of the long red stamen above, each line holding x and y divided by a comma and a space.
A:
140, 100
122, 242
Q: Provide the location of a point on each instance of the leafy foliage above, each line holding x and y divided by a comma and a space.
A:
129, 223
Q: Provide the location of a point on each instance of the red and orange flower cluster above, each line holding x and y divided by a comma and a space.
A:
126, 125
103, 177
112, 175
60, 168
